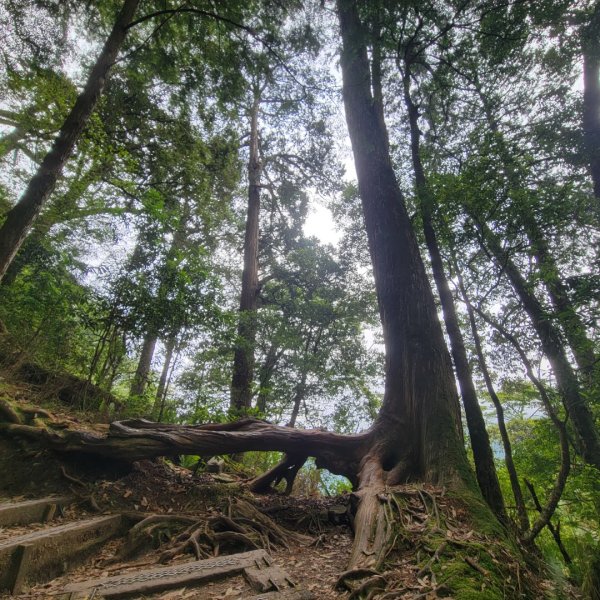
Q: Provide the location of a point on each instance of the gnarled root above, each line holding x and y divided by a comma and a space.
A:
151, 532
367, 589
244, 526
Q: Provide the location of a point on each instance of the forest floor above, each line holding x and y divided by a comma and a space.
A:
162, 488
313, 534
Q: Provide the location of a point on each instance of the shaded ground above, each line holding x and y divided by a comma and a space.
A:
436, 545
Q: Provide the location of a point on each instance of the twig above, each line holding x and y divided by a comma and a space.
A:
473, 563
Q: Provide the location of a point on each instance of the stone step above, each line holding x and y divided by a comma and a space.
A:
163, 578
42, 555
32, 511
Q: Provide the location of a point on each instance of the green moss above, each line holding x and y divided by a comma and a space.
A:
480, 514
467, 584
461, 546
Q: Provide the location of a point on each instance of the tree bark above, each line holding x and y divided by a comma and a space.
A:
575, 403
21, 217
565, 457
129, 441
243, 361
162, 382
590, 47
508, 455
485, 469
417, 435
142, 373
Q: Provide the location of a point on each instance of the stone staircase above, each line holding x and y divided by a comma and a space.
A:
48, 552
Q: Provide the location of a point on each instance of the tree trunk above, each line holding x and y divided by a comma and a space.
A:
377, 82
485, 469
565, 457
142, 373
508, 455
264, 378
129, 441
574, 330
572, 326
590, 47
162, 382
417, 435
574, 402
299, 394
243, 361
21, 217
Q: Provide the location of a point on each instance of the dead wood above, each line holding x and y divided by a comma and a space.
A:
8, 413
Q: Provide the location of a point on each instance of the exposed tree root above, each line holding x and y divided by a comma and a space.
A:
151, 532
8, 412
367, 589
421, 543
82, 491
345, 579
241, 527
393, 524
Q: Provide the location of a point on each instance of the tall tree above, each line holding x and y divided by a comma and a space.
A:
243, 361
590, 49
419, 388
575, 403
480, 443
22, 216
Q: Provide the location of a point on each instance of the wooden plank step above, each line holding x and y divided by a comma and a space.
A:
289, 594
163, 578
42, 555
268, 578
32, 511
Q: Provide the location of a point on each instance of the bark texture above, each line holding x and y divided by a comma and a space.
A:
142, 373
243, 361
485, 469
22, 216
136, 439
417, 435
590, 47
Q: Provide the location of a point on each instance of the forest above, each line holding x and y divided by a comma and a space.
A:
350, 246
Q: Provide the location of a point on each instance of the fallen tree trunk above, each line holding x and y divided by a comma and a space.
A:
137, 439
